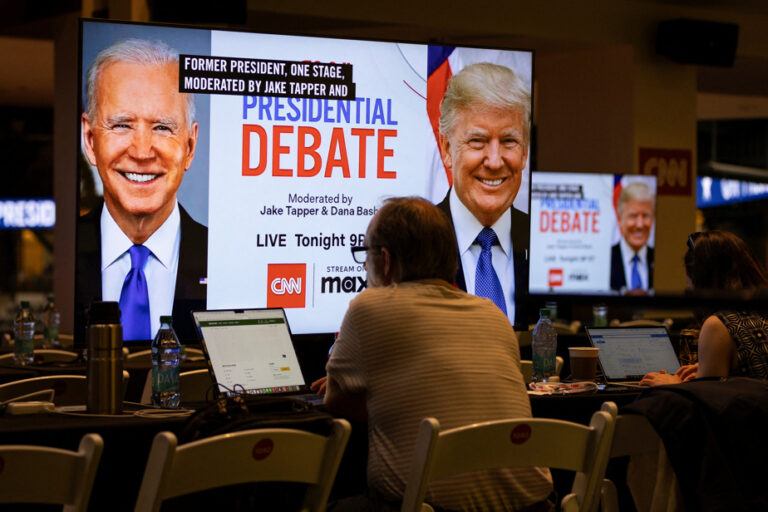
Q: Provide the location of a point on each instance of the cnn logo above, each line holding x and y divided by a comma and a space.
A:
285, 285
672, 167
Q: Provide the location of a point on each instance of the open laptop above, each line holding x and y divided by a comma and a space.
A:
628, 353
250, 351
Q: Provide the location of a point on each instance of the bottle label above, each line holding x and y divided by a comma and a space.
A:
52, 332
24, 346
543, 365
165, 380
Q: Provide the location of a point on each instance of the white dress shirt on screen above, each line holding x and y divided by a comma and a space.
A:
627, 254
160, 270
467, 228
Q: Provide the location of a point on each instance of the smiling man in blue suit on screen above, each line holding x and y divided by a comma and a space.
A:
140, 248
632, 258
484, 138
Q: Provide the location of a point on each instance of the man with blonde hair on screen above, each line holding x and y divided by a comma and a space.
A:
632, 258
484, 140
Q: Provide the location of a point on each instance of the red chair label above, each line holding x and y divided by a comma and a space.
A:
263, 448
520, 434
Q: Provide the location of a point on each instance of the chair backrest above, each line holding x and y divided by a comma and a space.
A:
667, 322
189, 352
38, 474
67, 389
196, 386
633, 435
141, 354
271, 455
45, 355
512, 443
526, 366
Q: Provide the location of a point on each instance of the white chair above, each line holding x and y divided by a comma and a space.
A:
552, 443
68, 389
194, 386
45, 355
192, 353
38, 474
633, 435
562, 327
643, 323
272, 455
526, 366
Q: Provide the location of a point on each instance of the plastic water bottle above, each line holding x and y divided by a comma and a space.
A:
24, 332
51, 319
165, 366
544, 347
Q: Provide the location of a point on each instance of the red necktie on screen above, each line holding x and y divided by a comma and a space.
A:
134, 297
486, 281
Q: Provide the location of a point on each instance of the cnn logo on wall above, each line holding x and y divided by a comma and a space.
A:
672, 168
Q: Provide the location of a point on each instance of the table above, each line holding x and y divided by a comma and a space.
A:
137, 369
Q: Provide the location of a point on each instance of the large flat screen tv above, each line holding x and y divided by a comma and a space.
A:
587, 229
296, 141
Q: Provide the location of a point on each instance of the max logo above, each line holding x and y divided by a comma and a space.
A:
520, 434
285, 285
263, 449
555, 277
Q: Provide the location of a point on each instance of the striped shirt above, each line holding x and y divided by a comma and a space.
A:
426, 348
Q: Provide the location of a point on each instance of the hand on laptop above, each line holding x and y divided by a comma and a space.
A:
688, 372
319, 385
660, 379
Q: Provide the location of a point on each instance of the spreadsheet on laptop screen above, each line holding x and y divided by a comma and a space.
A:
633, 351
252, 349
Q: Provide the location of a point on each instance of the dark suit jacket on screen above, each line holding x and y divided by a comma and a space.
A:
520, 244
189, 293
618, 279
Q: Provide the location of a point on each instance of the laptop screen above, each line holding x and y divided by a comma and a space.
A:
250, 351
628, 353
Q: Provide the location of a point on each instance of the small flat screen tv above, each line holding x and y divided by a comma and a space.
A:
585, 231
299, 140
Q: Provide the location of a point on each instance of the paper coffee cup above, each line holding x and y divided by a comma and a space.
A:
583, 362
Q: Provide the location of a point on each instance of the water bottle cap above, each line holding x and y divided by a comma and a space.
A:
50, 298
166, 319
25, 304
545, 312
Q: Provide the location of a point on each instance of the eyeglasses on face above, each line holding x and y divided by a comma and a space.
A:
692, 240
359, 253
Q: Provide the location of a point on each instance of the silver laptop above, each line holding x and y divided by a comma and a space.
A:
250, 351
628, 353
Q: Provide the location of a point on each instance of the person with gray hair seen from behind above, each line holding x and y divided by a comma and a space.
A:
632, 258
484, 139
407, 350
140, 247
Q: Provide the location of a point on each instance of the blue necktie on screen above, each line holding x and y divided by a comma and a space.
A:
486, 281
636, 282
134, 297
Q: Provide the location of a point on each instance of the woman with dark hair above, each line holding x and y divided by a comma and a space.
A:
730, 342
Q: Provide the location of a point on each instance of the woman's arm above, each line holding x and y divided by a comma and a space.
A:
717, 352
